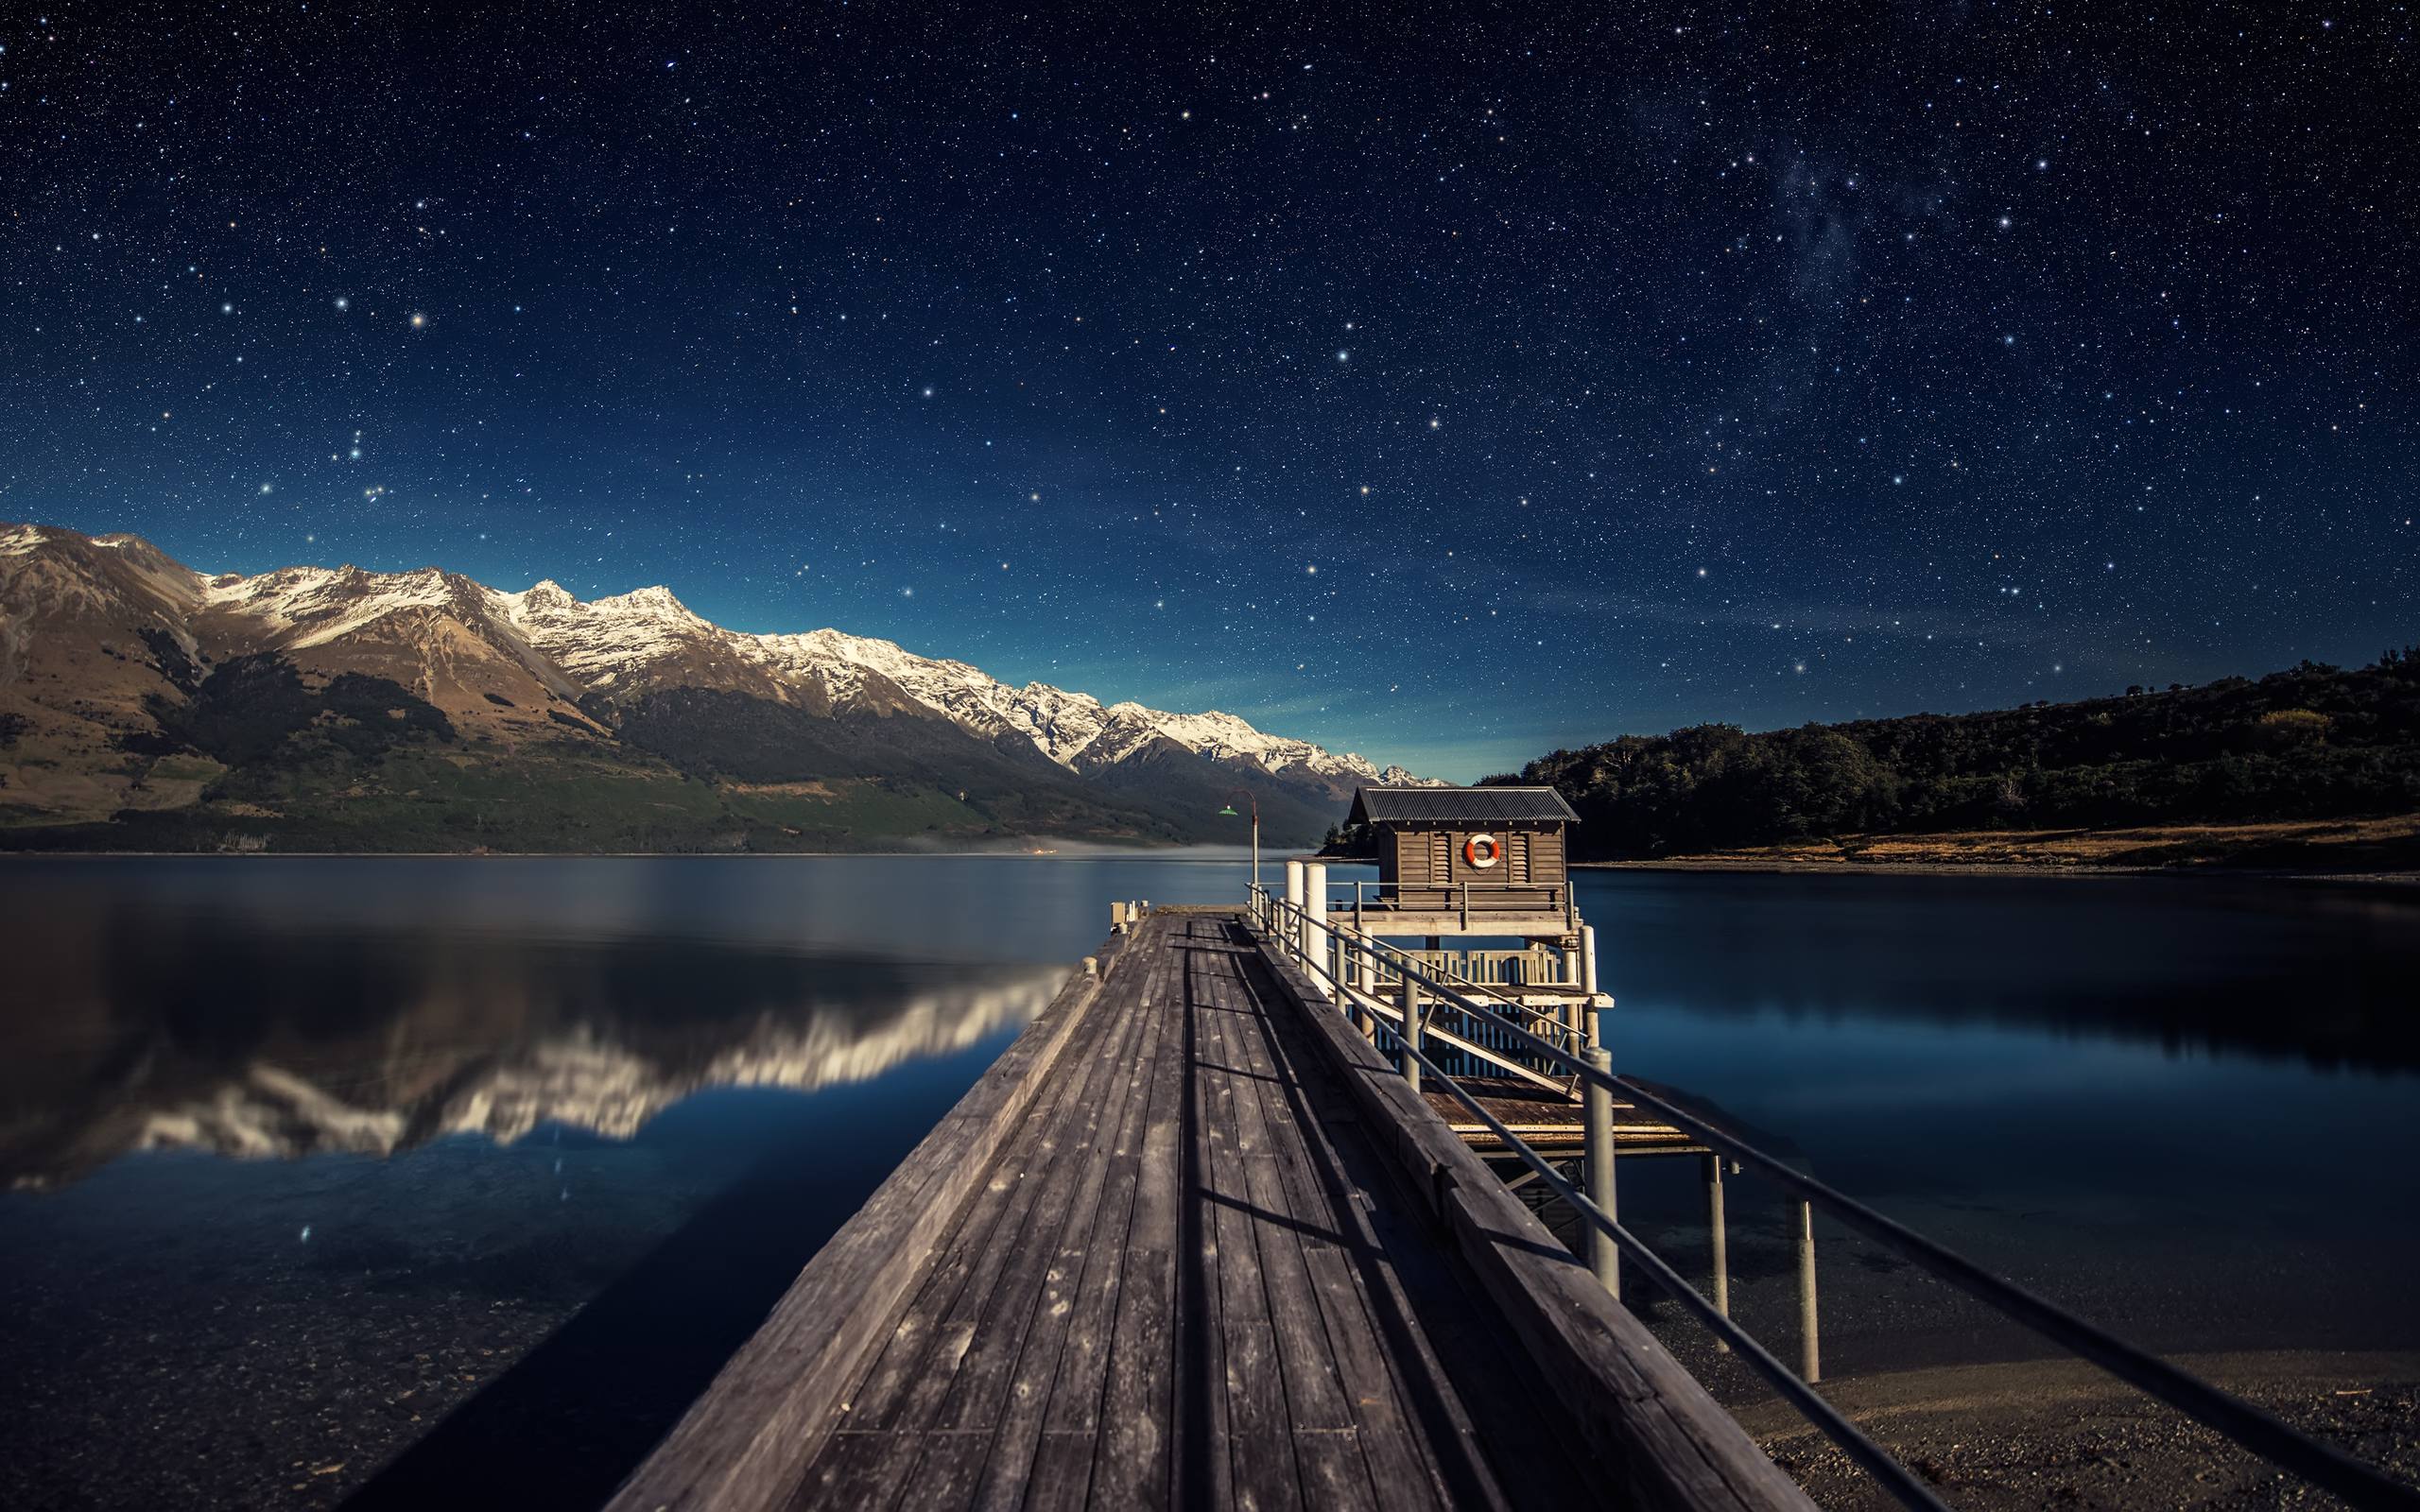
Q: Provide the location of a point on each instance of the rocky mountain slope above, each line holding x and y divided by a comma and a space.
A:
146, 704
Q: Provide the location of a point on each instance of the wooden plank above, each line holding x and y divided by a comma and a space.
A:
1259, 1443
747, 1441
926, 1448
1058, 1156
1315, 1400
944, 1301
1062, 1470
1228, 1293
1417, 1437
854, 1470
1134, 1449
879, 1398
895, 1404
1281, 1375
1083, 1368
1648, 1421
1023, 1399
1330, 1354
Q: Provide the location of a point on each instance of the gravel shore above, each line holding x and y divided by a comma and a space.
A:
2061, 1434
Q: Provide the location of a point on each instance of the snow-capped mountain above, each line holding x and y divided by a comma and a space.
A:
607, 640
146, 639
637, 637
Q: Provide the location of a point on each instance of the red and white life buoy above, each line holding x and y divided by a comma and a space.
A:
1482, 850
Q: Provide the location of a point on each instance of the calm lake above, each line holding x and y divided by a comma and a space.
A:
403, 1180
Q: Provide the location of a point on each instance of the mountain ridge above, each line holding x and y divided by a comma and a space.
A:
110, 648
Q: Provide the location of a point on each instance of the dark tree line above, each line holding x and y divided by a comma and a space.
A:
2314, 741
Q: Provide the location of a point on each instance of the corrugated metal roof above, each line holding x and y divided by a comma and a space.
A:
1460, 805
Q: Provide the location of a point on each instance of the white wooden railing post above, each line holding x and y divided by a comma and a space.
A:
1604, 1257
1721, 1240
1315, 911
1811, 1357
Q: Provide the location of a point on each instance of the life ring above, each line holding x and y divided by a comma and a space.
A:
1482, 850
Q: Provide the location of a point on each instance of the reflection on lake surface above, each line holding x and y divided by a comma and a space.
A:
305, 1156
444, 1180
377, 1044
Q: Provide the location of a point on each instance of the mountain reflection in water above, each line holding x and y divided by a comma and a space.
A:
362, 1176
260, 1046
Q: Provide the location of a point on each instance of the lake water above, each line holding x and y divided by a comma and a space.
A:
419, 1181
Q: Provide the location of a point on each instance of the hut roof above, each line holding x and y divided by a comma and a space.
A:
1460, 805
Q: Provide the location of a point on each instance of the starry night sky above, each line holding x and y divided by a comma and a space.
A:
1446, 385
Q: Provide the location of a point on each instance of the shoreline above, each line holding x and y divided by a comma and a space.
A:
1087, 852
1749, 865
2029, 1432
2377, 851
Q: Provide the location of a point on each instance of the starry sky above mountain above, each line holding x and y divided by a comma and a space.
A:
1448, 384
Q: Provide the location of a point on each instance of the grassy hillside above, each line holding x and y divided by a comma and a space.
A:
261, 757
2312, 742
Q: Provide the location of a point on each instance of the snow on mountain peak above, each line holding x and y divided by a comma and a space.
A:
655, 602
648, 637
21, 540
313, 606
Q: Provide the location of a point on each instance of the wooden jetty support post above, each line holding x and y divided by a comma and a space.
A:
1195, 1241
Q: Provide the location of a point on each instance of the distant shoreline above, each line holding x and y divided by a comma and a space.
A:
2379, 850
1093, 851
2084, 870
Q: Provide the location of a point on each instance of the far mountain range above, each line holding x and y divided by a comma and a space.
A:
145, 705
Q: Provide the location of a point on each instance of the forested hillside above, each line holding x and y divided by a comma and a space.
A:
2314, 741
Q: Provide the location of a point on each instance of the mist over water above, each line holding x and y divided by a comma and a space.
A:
424, 1179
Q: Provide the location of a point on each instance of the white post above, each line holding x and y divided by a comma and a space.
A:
1810, 1356
1315, 911
1604, 1257
1721, 1240
1588, 960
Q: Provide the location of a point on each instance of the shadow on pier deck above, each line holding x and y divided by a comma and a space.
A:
1191, 1243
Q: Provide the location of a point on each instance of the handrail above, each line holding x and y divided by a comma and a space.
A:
1382, 947
2250, 1427
1877, 1461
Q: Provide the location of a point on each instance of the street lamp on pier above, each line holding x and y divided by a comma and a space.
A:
1229, 812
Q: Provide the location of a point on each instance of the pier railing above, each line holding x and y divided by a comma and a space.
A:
1395, 999
1367, 901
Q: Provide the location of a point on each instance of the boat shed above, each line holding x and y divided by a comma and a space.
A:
1498, 848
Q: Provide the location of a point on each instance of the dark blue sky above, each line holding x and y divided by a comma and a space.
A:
1613, 369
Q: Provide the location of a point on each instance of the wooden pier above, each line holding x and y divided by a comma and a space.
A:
1191, 1243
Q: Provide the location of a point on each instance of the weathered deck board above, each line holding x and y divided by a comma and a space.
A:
1135, 1414
1174, 1265
1549, 1124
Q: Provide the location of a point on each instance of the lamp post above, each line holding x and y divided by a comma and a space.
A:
1229, 812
